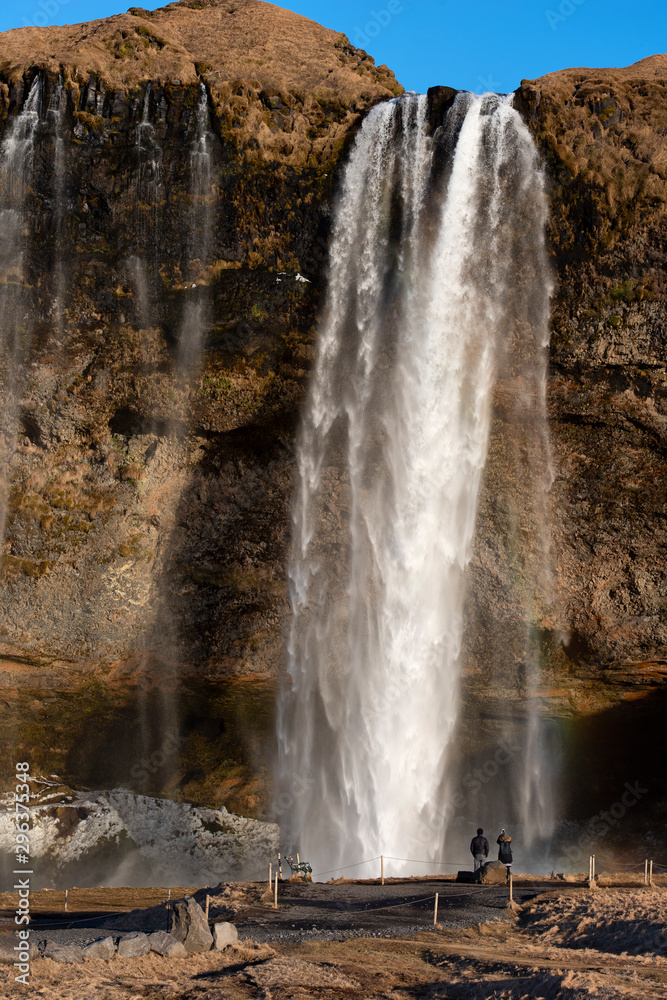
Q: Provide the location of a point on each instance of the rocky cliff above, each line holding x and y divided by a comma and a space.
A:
600, 623
149, 483
173, 194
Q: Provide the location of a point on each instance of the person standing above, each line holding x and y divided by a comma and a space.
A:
505, 851
479, 848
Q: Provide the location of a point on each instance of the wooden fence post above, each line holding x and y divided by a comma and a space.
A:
435, 910
208, 900
511, 888
650, 873
275, 894
66, 891
382, 868
645, 871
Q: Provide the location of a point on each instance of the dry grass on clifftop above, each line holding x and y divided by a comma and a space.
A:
605, 132
275, 78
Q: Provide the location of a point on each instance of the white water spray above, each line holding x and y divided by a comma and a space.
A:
199, 238
428, 299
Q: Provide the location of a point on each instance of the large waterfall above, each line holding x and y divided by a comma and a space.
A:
438, 287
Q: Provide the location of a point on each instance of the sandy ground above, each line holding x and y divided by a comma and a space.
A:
568, 943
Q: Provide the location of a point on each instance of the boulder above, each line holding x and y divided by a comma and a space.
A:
493, 872
224, 934
166, 944
466, 876
8, 944
134, 946
102, 948
191, 926
439, 100
70, 954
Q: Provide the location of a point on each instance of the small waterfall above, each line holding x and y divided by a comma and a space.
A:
199, 240
56, 118
143, 267
431, 299
136, 272
16, 166
159, 707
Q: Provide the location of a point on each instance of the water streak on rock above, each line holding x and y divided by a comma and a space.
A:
195, 315
16, 164
56, 119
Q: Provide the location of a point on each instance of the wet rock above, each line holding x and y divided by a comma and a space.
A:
224, 934
191, 926
440, 99
134, 945
166, 944
103, 948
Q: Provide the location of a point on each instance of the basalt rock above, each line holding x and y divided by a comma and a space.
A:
134, 946
166, 945
190, 926
104, 948
224, 935
150, 495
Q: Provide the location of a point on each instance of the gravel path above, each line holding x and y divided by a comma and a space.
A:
312, 912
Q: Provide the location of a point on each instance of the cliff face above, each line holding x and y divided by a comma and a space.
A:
604, 137
173, 204
178, 191
599, 626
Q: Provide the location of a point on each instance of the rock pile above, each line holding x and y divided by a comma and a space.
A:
190, 934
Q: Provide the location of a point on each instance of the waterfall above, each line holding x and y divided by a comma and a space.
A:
199, 238
143, 266
16, 164
56, 117
432, 299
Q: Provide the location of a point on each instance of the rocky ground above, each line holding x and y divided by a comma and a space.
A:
568, 943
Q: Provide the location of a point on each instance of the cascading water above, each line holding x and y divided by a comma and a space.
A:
430, 300
159, 711
199, 242
16, 163
143, 266
56, 117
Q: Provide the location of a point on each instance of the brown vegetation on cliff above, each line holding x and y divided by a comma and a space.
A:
278, 82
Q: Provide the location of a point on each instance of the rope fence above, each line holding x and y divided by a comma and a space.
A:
596, 867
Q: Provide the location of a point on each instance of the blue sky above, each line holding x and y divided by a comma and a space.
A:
482, 45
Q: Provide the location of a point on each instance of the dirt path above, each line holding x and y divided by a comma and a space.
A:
567, 943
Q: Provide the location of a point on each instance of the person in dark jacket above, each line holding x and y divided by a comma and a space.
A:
505, 851
479, 848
